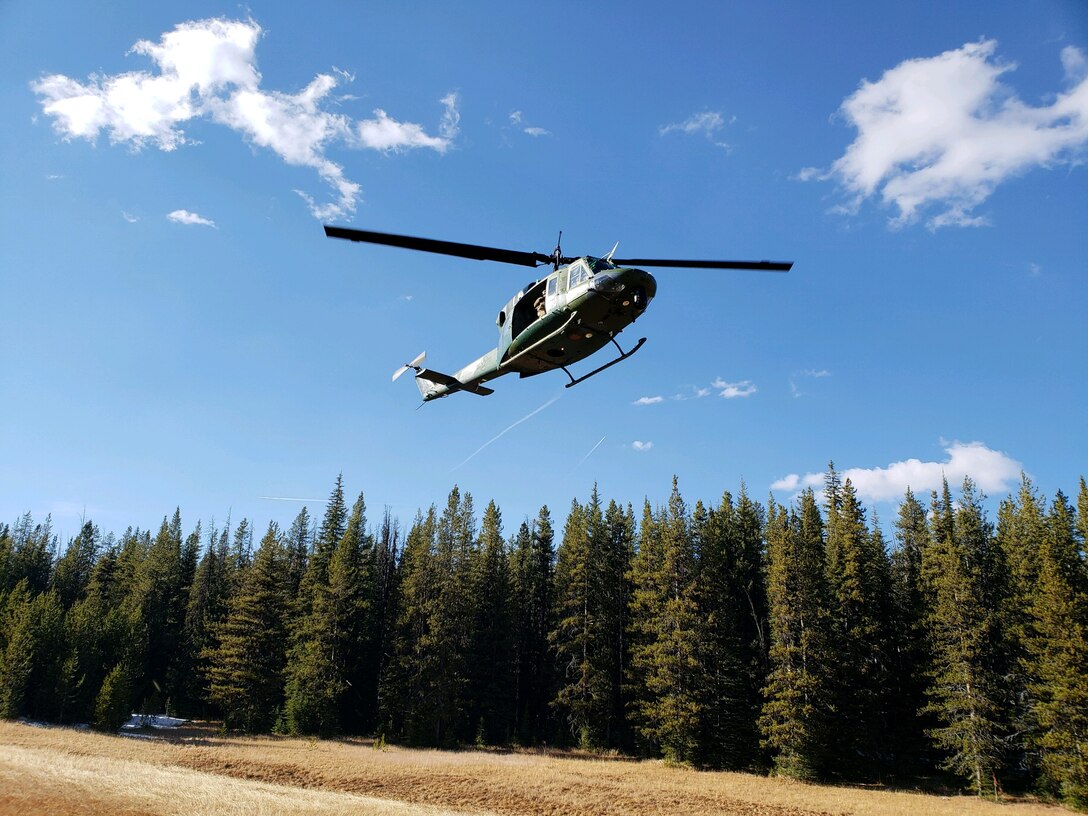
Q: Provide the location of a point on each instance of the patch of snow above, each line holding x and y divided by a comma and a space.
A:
33, 723
153, 721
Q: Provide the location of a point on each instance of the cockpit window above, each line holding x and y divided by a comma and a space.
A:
552, 285
578, 273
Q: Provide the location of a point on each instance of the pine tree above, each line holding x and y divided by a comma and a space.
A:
94, 632
533, 566
17, 658
573, 636
31, 554
387, 550
1021, 530
350, 606
666, 643
451, 618
1057, 659
113, 705
407, 707
857, 577
156, 606
491, 669
328, 642
297, 543
73, 569
206, 607
732, 605
796, 720
618, 549
964, 690
246, 665
910, 651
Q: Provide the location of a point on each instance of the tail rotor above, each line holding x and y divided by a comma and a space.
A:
415, 365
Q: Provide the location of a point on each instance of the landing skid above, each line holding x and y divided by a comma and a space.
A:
623, 356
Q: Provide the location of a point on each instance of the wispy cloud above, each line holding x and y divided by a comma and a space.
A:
726, 390
517, 120
993, 471
733, 390
132, 219
640, 446
807, 373
937, 135
190, 218
707, 124
207, 69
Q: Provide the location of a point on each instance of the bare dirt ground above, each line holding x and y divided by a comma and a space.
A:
197, 770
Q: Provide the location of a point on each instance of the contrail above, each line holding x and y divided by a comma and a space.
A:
289, 498
603, 438
511, 427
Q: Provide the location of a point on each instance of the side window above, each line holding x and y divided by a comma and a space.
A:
551, 286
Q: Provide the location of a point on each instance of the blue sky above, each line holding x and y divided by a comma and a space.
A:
177, 331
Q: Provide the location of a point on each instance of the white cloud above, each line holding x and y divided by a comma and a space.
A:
706, 124
207, 69
132, 219
639, 445
728, 390
937, 135
993, 472
190, 218
517, 118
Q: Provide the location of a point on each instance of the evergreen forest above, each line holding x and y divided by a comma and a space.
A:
797, 640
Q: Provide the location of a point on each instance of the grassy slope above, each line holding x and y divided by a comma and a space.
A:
63, 771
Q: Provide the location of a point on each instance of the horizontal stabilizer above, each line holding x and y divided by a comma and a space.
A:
438, 377
428, 381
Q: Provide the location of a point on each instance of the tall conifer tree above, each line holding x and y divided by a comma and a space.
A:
1057, 659
796, 721
533, 567
246, 666
670, 701
964, 691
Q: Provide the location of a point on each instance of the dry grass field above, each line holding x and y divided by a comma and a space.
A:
198, 771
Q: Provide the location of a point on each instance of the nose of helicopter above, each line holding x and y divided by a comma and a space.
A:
631, 285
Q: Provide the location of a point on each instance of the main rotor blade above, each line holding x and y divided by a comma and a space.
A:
763, 266
474, 251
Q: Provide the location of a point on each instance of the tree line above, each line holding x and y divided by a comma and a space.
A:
787, 639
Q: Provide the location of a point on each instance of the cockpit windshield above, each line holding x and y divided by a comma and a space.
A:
579, 273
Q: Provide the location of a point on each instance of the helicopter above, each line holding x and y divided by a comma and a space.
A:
570, 314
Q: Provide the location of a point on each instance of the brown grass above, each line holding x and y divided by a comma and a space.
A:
65, 771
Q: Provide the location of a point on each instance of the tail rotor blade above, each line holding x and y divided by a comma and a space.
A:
414, 365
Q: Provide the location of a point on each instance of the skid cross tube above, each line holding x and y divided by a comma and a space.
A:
623, 356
